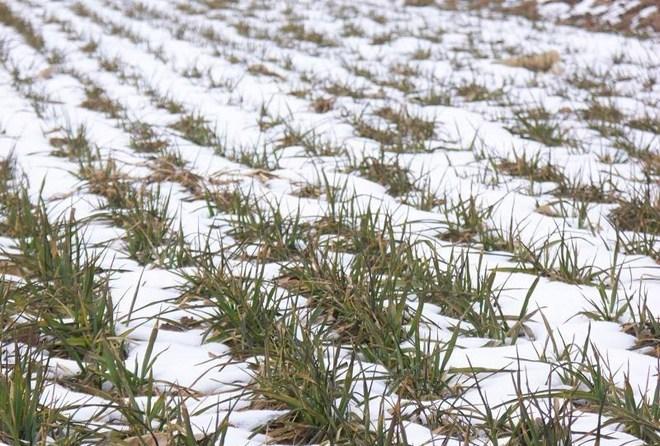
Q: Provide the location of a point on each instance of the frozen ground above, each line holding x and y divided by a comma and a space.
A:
325, 222
631, 16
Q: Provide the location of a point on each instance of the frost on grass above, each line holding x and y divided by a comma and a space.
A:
245, 223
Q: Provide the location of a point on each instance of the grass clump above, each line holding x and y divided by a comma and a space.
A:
65, 300
537, 124
244, 310
313, 144
390, 174
408, 125
73, 144
23, 419
602, 112
323, 104
403, 132
645, 326
278, 236
148, 224
301, 33
638, 214
474, 91
195, 128
167, 103
465, 220
593, 192
22, 27
345, 89
646, 123
435, 96
419, 2
263, 70
104, 178
316, 384
604, 118
97, 100
169, 167
144, 138
530, 168
558, 259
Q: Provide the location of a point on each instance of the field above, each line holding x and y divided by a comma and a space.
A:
329, 223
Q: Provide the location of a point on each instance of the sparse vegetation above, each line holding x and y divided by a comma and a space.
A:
97, 100
531, 168
392, 175
244, 221
538, 125
195, 128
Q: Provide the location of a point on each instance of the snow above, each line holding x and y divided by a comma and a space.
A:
145, 297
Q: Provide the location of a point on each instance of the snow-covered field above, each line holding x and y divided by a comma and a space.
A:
325, 222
